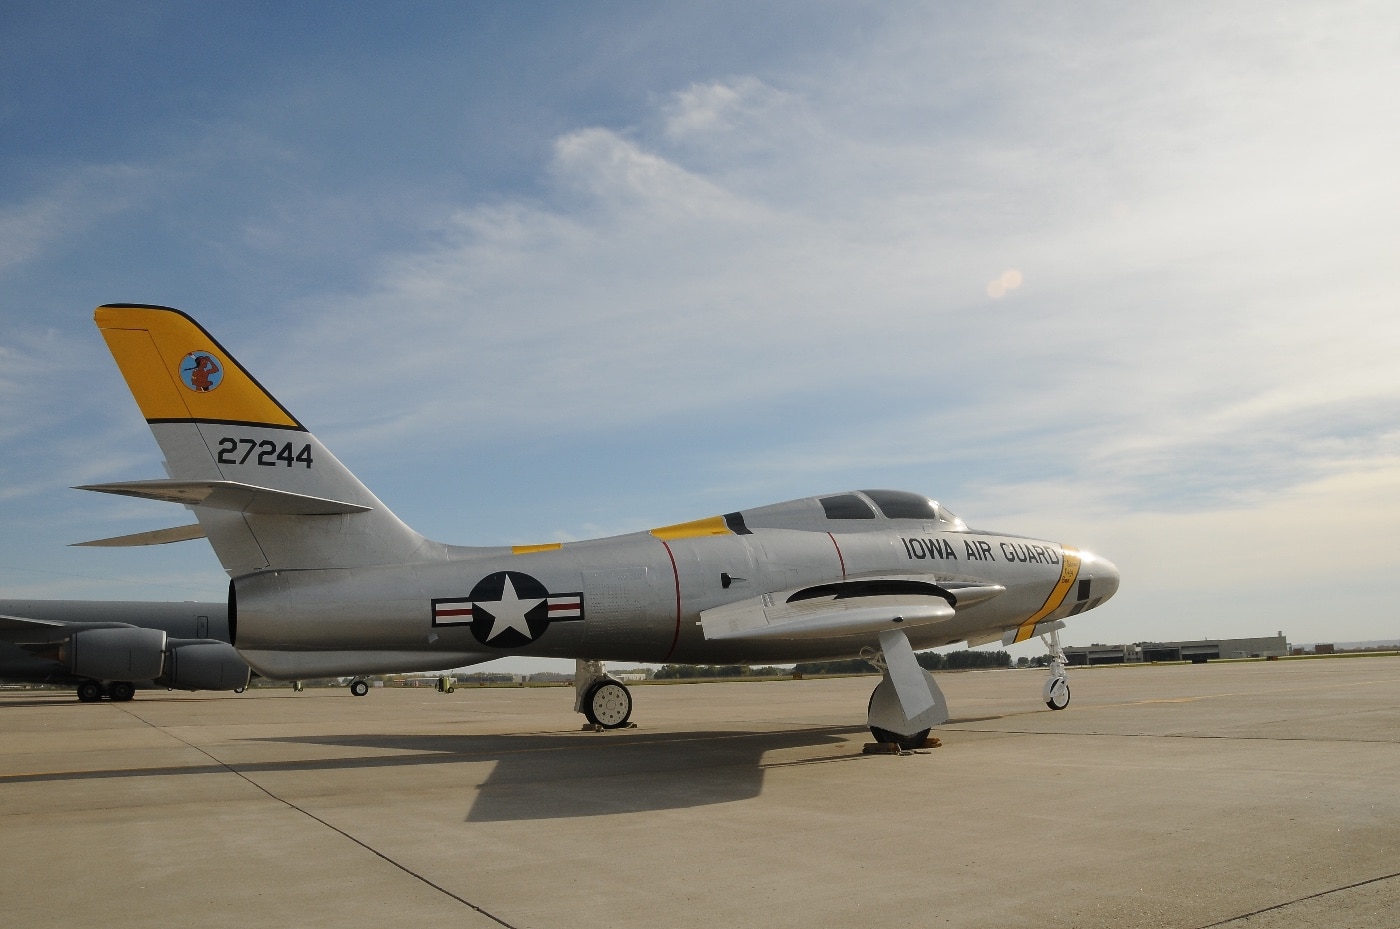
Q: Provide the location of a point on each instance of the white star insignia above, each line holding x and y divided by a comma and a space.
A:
509, 612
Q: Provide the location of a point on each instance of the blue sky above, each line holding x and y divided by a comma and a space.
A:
1124, 277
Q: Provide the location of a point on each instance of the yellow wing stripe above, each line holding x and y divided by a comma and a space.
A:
713, 525
1069, 572
149, 345
542, 547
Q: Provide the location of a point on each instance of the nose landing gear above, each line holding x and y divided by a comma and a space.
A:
1056, 690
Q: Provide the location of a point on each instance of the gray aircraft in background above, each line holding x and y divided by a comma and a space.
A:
112, 647
326, 581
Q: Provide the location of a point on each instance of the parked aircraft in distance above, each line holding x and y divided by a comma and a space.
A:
111, 647
326, 581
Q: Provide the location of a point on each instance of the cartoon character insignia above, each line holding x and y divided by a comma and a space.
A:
200, 372
508, 609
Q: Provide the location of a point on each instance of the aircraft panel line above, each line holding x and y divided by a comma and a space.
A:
308, 814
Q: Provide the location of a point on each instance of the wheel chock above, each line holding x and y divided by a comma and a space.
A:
890, 748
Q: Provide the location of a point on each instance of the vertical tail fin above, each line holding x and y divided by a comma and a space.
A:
265, 491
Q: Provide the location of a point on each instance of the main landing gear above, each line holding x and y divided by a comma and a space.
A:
359, 687
604, 701
1056, 690
907, 702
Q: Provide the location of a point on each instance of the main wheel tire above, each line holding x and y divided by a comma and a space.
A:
1057, 693
121, 691
89, 692
359, 688
608, 704
903, 741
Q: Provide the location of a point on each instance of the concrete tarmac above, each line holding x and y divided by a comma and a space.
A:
1220, 795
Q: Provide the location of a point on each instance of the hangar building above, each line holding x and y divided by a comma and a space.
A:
1201, 650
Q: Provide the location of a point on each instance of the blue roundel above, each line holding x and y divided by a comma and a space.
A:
200, 372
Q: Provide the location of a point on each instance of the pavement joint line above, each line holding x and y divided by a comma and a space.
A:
1304, 899
336, 829
1174, 735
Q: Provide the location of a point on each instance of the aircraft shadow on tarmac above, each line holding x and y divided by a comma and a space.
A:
568, 775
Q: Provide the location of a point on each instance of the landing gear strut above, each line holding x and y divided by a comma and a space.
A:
907, 702
604, 701
1056, 690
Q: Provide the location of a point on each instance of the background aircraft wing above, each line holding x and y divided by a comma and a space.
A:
26, 630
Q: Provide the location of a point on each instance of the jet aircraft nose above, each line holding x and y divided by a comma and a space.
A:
1102, 575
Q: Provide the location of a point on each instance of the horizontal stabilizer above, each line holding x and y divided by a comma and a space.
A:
154, 537
230, 495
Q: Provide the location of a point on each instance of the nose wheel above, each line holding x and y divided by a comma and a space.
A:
1056, 693
1056, 690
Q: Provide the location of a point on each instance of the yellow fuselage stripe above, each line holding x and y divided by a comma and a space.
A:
542, 547
1069, 573
713, 525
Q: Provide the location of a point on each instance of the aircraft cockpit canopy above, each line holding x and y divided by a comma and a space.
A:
893, 504
853, 511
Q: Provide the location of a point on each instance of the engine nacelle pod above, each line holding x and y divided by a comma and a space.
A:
125, 654
204, 665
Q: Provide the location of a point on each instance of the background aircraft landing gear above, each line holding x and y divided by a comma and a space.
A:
1056, 690
359, 687
604, 701
89, 692
121, 691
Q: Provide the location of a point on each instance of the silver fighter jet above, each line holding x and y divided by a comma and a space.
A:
327, 581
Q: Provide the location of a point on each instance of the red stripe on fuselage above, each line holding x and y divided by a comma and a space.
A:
675, 573
839, 556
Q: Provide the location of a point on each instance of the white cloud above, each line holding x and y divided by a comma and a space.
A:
720, 108
1009, 280
72, 204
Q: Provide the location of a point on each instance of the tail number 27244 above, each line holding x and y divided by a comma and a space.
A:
269, 455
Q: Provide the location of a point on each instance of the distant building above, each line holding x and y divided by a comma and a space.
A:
1200, 650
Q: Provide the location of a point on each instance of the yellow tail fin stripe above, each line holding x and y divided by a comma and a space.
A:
1069, 572
713, 525
151, 343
